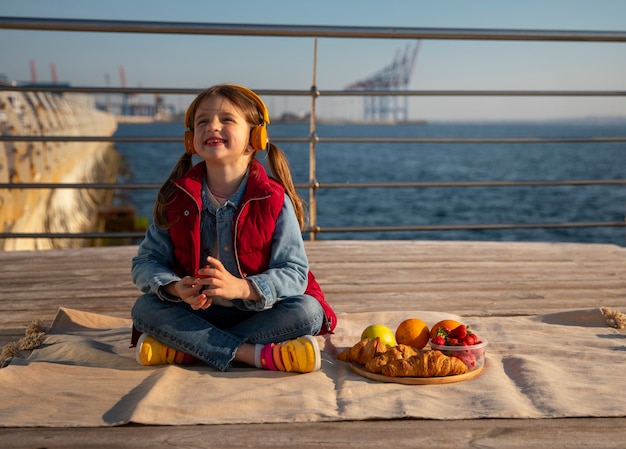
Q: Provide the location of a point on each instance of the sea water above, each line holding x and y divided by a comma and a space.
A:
150, 162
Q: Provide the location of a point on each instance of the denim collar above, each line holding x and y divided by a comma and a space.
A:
233, 201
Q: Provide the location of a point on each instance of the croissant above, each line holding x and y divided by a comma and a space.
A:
426, 364
363, 351
401, 351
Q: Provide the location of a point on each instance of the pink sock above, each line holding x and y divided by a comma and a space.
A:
267, 357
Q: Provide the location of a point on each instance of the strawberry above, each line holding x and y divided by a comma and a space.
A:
439, 340
459, 332
198, 275
471, 339
467, 357
201, 276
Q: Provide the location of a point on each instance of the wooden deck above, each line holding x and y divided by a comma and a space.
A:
464, 278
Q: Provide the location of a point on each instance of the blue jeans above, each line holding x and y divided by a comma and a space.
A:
213, 335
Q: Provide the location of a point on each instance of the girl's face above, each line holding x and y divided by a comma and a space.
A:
221, 132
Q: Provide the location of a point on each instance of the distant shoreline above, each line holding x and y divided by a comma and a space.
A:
143, 119
137, 119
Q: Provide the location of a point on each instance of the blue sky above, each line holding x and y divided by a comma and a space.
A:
86, 59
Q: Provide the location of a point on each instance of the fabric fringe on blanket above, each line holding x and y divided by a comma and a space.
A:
614, 318
34, 337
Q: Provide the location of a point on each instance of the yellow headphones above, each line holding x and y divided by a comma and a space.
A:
258, 134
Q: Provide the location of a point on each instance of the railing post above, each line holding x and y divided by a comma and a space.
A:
312, 141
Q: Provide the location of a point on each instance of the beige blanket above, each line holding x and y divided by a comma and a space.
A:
568, 364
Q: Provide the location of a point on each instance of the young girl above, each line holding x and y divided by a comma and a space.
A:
223, 267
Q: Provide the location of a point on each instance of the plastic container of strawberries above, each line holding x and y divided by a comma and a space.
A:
472, 355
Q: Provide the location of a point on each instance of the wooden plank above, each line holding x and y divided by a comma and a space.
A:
598, 433
467, 278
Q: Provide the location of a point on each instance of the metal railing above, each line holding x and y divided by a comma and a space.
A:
314, 93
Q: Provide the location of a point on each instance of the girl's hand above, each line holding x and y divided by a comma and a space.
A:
189, 290
219, 282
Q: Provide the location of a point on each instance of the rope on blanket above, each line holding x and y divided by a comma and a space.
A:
34, 337
614, 318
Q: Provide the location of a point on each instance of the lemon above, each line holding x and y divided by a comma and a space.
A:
385, 334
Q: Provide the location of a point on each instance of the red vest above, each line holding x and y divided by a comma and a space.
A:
253, 230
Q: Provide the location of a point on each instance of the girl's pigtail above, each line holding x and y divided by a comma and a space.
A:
280, 168
168, 189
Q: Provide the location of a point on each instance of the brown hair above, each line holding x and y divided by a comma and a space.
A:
254, 115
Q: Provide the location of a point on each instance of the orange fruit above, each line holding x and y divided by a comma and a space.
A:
449, 324
413, 332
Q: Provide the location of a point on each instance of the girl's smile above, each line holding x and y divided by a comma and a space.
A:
213, 141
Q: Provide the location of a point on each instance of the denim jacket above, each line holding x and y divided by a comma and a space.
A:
153, 267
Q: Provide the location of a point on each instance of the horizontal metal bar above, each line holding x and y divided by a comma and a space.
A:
320, 93
316, 138
64, 88
317, 229
473, 93
127, 139
471, 140
128, 26
77, 235
63, 185
51, 138
333, 185
362, 185
475, 227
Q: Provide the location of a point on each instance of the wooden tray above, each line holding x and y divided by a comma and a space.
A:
416, 380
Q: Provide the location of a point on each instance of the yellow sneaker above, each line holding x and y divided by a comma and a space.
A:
301, 355
152, 352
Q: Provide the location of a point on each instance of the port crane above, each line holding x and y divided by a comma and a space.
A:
395, 76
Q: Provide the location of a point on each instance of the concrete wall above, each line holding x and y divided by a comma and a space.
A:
53, 210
